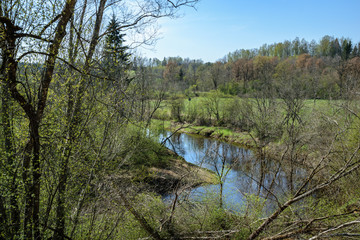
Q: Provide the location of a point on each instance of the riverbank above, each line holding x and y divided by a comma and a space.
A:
242, 139
164, 179
238, 138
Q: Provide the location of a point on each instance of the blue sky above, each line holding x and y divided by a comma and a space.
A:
218, 27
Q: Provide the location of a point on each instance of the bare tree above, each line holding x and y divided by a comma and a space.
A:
28, 36
222, 158
318, 179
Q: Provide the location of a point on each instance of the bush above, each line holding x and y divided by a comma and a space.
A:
231, 88
177, 107
142, 150
191, 112
232, 113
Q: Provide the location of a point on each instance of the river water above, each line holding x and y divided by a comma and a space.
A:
242, 175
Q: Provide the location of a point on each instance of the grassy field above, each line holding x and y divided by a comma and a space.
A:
225, 104
236, 122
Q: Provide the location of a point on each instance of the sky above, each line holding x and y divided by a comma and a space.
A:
217, 27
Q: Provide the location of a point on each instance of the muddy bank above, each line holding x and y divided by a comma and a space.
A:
179, 174
176, 174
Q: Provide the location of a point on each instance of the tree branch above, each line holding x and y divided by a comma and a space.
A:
53, 50
347, 224
140, 218
9, 23
49, 24
180, 3
336, 176
20, 35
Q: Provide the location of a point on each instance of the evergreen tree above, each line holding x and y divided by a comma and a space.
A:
335, 48
116, 56
355, 52
346, 49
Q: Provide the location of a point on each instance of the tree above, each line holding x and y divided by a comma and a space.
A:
287, 49
313, 48
217, 74
310, 68
212, 105
296, 46
355, 52
352, 70
291, 90
243, 70
346, 46
33, 110
309, 187
335, 48
264, 68
33, 37
325, 46
171, 74
304, 47
116, 56
222, 158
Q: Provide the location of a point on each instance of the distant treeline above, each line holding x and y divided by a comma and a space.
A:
329, 68
327, 47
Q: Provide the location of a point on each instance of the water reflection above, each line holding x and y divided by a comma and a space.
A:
246, 174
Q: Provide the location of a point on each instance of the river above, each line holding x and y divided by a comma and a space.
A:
245, 171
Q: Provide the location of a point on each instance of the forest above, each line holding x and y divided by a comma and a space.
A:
326, 69
91, 132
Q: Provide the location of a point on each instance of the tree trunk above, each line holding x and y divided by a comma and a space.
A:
10, 153
34, 113
36, 175
28, 191
221, 194
74, 121
4, 228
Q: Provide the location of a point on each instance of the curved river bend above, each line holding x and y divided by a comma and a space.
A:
245, 171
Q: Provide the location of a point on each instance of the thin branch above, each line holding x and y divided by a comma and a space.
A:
347, 224
306, 228
54, 230
21, 35
49, 24
140, 218
336, 176
186, 3
182, 127
136, 21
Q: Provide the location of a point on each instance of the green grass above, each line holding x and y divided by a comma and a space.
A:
221, 133
325, 106
194, 112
